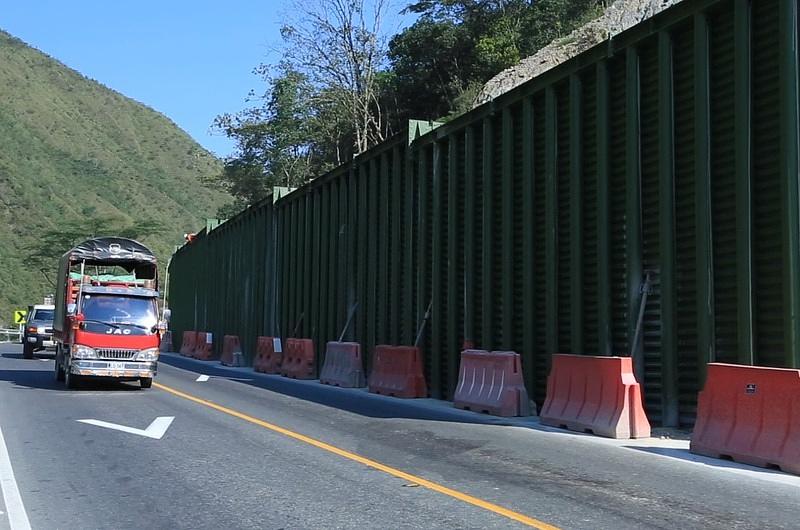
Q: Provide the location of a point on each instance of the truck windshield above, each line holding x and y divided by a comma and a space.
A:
43, 314
120, 310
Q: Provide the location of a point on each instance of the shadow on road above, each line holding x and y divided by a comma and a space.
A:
45, 380
355, 400
38, 355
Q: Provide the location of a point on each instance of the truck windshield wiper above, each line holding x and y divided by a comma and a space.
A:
101, 322
140, 326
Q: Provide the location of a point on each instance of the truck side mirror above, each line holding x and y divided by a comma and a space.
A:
71, 309
167, 314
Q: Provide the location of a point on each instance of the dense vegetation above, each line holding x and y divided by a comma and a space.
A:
78, 159
342, 85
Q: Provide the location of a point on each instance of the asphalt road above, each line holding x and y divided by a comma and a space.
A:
238, 454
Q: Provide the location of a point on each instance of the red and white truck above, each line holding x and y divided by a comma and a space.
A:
106, 322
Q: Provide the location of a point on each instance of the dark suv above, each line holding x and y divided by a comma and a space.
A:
38, 334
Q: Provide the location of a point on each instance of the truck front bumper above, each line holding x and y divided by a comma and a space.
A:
117, 369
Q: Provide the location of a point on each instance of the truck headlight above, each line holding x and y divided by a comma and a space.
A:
150, 354
80, 351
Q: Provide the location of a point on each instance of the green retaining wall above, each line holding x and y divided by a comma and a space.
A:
530, 223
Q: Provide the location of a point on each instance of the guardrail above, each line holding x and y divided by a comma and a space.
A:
10, 335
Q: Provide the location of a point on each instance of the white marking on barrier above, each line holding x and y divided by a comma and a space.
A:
17, 517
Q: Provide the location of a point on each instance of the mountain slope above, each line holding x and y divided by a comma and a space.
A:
72, 149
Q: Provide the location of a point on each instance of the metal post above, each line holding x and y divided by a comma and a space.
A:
702, 174
528, 352
489, 183
666, 207
633, 199
507, 183
576, 214
551, 222
604, 346
451, 347
436, 275
470, 254
789, 119
744, 221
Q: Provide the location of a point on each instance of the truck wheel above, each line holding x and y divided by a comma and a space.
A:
27, 351
71, 380
59, 371
146, 382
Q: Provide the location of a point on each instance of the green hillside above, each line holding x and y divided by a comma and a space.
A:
72, 150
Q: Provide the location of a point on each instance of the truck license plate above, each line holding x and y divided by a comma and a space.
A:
116, 366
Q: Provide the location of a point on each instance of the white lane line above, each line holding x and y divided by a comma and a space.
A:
17, 517
202, 379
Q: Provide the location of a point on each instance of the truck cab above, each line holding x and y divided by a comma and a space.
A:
106, 313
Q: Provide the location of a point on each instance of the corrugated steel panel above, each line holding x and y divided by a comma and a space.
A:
563, 287
721, 50
515, 339
502, 218
498, 307
768, 227
617, 163
685, 232
539, 279
651, 260
589, 205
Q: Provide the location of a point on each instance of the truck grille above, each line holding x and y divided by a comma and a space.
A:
110, 353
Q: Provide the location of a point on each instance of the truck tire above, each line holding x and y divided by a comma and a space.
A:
27, 351
71, 380
59, 372
146, 382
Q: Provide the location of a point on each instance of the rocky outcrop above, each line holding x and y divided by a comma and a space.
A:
619, 16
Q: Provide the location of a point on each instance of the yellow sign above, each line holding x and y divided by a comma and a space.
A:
19, 316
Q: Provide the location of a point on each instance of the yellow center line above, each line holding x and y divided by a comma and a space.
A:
505, 512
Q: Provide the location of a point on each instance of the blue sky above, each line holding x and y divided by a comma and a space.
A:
190, 60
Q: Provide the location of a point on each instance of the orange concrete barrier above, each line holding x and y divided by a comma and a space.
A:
597, 394
166, 342
189, 343
269, 355
204, 348
750, 414
343, 365
231, 351
491, 382
299, 359
397, 371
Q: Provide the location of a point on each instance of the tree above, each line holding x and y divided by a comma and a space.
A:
338, 45
455, 46
339, 88
321, 106
277, 141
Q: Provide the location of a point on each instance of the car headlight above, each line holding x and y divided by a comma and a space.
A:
80, 351
150, 354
